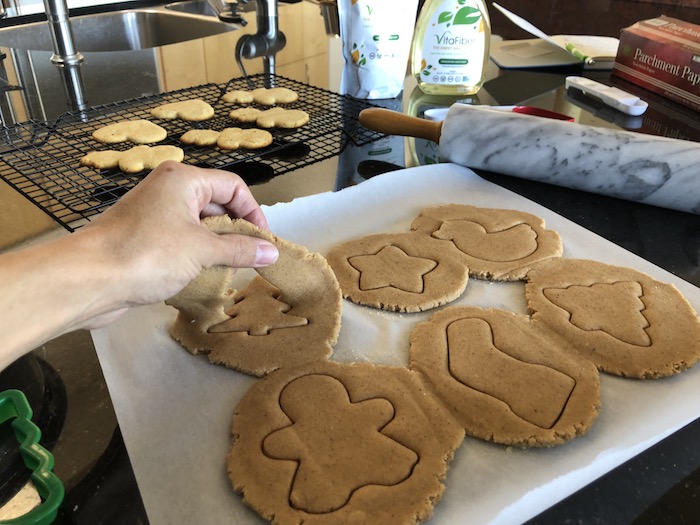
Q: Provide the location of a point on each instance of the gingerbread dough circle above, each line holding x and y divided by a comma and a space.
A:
504, 379
621, 319
404, 272
301, 325
333, 443
500, 245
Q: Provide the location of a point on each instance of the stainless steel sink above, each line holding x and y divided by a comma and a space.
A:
124, 30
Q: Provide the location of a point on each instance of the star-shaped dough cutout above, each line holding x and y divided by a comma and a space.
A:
338, 445
392, 267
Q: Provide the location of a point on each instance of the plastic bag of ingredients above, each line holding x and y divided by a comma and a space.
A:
377, 38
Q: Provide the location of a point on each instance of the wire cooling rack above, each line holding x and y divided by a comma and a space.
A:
41, 160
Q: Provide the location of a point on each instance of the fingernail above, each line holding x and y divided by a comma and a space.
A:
266, 254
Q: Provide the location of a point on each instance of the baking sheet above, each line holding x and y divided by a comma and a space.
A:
175, 409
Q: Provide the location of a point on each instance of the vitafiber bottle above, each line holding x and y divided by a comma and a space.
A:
450, 49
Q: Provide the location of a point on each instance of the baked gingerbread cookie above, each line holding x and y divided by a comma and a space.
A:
229, 138
503, 378
246, 115
498, 244
236, 138
291, 318
194, 110
238, 96
331, 443
275, 95
623, 320
263, 96
200, 137
403, 272
133, 160
138, 131
276, 117
282, 118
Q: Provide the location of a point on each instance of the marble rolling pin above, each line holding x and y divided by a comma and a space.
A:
633, 166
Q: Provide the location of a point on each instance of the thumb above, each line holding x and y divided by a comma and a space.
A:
242, 251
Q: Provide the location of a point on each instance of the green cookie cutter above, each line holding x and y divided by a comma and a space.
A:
14, 405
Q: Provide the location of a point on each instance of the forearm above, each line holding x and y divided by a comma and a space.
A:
51, 289
142, 250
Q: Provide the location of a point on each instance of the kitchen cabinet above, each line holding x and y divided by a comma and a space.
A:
212, 59
20, 219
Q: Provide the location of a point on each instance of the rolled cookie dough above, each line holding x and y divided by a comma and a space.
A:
306, 285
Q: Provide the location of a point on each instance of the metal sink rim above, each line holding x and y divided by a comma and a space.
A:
121, 30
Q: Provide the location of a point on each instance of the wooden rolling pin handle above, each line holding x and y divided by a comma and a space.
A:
395, 123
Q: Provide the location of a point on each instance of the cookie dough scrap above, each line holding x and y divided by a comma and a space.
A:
194, 110
133, 160
623, 320
404, 272
503, 378
138, 131
500, 245
229, 138
341, 443
298, 309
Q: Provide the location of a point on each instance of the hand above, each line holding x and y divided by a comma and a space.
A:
144, 249
155, 236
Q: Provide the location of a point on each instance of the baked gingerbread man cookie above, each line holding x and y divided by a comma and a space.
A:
228, 138
133, 160
138, 131
194, 110
276, 117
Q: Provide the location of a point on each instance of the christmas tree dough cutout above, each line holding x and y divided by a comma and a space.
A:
257, 331
623, 320
257, 310
615, 308
337, 444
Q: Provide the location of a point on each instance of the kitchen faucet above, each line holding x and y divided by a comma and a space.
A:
65, 56
266, 42
227, 11
6, 10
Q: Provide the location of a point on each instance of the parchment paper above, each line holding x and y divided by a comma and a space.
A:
175, 409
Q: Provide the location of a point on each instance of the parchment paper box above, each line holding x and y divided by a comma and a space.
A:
663, 56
